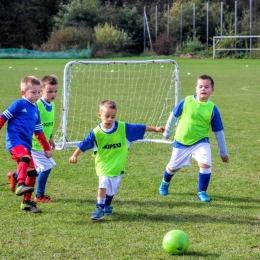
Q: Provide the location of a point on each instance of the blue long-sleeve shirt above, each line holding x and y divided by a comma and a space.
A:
23, 121
133, 132
216, 126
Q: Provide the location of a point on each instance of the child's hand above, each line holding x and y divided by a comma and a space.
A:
160, 129
165, 137
52, 144
73, 159
224, 159
48, 154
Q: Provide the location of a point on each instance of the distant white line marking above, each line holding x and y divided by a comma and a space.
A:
253, 90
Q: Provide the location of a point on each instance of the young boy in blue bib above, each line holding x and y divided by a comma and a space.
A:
195, 114
110, 141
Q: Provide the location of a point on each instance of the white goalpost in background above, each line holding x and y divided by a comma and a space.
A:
145, 92
247, 43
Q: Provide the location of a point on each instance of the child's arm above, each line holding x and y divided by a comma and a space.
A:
2, 122
169, 125
73, 158
155, 129
52, 143
87, 144
222, 145
44, 144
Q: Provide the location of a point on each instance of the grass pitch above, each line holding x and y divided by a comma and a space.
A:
225, 228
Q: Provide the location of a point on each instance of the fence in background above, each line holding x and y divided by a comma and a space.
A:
193, 22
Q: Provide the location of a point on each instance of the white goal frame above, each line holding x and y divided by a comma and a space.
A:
216, 40
73, 69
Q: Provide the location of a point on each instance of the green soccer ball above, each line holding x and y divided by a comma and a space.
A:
175, 242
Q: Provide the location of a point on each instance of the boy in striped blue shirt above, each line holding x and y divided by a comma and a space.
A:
43, 165
23, 121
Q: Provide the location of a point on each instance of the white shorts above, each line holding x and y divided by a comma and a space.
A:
111, 184
181, 156
41, 162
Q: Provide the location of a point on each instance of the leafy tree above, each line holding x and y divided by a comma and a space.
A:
68, 38
109, 38
131, 22
88, 12
93, 14
187, 20
30, 23
26, 22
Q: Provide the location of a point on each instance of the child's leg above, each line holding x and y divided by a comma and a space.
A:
164, 187
42, 180
12, 179
180, 157
204, 179
112, 188
23, 187
168, 174
114, 184
27, 204
109, 200
30, 181
23, 165
98, 214
40, 192
23, 157
43, 166
101, 199
202, 155
203, 183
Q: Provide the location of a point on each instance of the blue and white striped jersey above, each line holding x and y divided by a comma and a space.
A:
23, 121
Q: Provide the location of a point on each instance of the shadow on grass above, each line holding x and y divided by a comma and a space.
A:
121, 215
180, 218
236, 199
147, 209
174, 202
198, 254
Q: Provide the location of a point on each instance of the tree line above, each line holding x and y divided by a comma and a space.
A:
118, 26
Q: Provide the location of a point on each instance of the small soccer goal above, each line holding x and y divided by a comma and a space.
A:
145, 92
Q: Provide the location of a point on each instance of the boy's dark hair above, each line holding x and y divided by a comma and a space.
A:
207, 77
49, 80
108, 103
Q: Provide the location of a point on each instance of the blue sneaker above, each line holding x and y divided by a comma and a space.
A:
202, 196
98, 214
163, 190
108, 210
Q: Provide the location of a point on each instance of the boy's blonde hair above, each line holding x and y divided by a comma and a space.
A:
28, 82
107, 103
49, 80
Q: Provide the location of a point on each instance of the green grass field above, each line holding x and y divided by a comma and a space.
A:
226, 228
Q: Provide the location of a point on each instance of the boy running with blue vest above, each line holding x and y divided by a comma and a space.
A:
23, 121
110, 141
195, 114
43, 165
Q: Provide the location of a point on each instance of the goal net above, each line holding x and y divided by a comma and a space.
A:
145, 92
